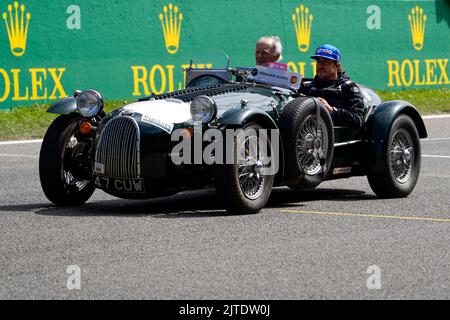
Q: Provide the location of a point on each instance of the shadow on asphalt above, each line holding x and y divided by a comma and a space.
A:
193, 204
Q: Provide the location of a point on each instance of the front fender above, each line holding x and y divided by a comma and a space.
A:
380, 123
240, 116
64, 106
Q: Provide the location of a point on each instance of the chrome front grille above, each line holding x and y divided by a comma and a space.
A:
117, 153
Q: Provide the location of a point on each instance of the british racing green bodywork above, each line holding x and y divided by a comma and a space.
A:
239, 104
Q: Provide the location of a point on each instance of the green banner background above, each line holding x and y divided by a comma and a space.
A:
120, 48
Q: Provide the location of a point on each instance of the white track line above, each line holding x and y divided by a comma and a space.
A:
435, 156
434, 139
440, 116
432, 117
18, 155
19, 142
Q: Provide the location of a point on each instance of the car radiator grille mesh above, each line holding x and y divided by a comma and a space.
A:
118, 148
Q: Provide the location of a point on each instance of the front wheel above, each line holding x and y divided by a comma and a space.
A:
64, 163
245, 185
401, 161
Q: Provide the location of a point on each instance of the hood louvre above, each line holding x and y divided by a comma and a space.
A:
190, 94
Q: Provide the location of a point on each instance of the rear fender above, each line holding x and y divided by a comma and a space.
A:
380, 123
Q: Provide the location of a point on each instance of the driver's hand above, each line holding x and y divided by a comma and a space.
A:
326, 104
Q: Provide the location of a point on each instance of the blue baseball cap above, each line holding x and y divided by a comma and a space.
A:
327, 51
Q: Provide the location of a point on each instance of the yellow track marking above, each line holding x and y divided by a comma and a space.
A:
379, 216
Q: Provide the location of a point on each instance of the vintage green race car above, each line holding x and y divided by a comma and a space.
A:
242, 131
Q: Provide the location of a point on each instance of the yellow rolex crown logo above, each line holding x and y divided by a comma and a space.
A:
171, 25
417, 21
17, 28
302, 23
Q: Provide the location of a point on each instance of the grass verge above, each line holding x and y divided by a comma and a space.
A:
32, 122
428, 101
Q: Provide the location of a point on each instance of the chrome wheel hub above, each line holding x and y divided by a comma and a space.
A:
251, 169
251, 178
70, 177
311, 146
401, 156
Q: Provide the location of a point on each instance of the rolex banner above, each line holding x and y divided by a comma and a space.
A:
130, 49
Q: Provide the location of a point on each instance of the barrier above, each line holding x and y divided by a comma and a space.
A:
129, 49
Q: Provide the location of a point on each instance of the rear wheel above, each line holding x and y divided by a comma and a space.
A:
401, 161
64, 163
245, 185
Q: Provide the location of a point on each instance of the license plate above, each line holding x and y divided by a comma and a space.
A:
119, 184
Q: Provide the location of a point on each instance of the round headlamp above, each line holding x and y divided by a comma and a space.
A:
203, 109
89, 103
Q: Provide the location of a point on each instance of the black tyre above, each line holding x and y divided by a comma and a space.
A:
308, 147
245, 185
401, 162
64, 166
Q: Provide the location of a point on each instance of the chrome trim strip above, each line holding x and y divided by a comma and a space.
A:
340, 144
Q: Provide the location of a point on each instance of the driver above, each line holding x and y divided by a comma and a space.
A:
341, 97
268, 49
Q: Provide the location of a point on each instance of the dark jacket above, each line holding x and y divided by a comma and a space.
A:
343, 95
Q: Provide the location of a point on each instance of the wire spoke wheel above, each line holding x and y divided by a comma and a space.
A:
401, 156
398, 169
250, 168
244, 186
308, 140
72, 167
311, 145
64, 163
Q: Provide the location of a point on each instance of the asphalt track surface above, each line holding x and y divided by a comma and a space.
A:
314, 245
